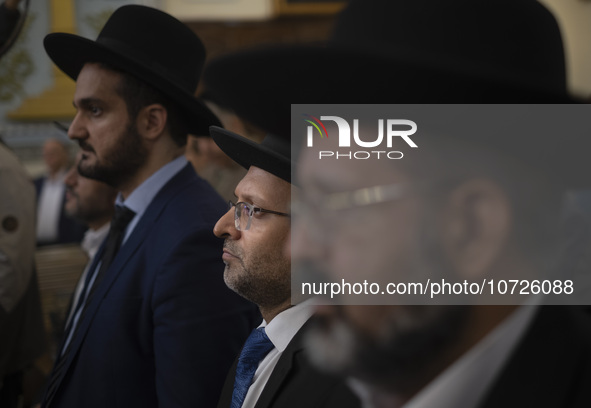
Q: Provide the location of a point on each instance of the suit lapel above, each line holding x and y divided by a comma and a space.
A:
179, 181
281, 370
226, 394
526, 378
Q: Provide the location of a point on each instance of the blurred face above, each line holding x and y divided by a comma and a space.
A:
112, 149
213, 153
383, 242
257, 267
86, 199
55, 156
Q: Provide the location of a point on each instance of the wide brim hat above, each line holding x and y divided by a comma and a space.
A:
150, 45
408, 52
273, 154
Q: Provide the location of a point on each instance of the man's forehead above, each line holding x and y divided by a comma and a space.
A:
96, 77
98, 68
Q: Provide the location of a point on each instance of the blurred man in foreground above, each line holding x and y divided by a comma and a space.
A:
473, 219
482, 204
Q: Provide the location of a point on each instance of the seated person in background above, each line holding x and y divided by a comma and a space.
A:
272, 370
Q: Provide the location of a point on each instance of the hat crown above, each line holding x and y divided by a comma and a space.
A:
277, 144
156, 38
517, 39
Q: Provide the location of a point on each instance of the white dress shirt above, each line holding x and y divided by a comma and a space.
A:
49, 208
90, 244
139, 200
280, 331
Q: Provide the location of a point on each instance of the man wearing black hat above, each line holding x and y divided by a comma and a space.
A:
272, 370
475, 202
154, 325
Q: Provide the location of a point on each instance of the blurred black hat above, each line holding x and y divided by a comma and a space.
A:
403, 51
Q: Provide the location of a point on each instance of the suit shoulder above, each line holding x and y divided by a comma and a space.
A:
193, 203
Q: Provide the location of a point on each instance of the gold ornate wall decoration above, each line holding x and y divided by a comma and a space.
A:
96, 21
55, 102
16, 66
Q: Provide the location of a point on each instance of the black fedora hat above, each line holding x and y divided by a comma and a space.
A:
273, 154
148, 44
403, 51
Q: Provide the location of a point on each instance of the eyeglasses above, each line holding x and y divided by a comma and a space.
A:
328, 211
359, 198
243, 213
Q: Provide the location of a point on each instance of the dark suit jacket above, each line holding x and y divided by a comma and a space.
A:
69, 229
162, 329
551, 367
296, 383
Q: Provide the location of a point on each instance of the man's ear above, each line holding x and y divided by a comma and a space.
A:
151, 121
476, 227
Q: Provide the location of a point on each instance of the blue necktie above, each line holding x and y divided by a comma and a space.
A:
257, 346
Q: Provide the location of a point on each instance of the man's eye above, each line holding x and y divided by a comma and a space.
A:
95, 110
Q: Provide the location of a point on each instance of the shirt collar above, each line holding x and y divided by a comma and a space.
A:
467, 380
143, 195
286, 324
93, 239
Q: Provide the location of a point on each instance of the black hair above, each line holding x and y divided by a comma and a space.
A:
137, 94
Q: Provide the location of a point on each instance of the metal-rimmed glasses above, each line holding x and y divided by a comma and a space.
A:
243, 213
327, 211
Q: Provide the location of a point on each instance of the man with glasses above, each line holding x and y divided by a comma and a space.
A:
271, 370
479, 204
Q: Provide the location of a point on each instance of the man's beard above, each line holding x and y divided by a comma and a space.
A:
411, 339
265, 280
399, 357
121, 163
89, 212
